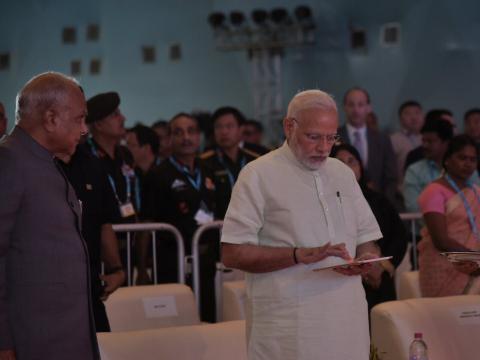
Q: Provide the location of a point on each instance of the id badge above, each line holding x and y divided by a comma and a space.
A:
127, 210
203, 217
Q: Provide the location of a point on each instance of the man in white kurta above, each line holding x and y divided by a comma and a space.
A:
294, 312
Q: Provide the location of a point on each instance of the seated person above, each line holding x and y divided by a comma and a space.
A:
394, 241
450, 207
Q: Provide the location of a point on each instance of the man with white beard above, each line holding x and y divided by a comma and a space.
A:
294, 210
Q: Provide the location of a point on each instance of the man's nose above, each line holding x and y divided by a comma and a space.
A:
185, 136
323, 144
84, 129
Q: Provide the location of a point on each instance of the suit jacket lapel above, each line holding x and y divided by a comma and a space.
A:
342, 131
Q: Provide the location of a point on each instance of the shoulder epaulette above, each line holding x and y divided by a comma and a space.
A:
207, 154
251, 153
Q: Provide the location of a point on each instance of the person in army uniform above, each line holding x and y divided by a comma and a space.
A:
228, 158
182, 193
99, 211
106, 123
107, 129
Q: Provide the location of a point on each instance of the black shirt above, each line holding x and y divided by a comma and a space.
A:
225, 173
393, 243
174, 199
99, 207
121, 176
258, 149
145, 180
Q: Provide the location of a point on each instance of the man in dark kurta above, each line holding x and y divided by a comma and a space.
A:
45, 306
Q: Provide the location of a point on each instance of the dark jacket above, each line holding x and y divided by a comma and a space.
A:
45, 309
381, 167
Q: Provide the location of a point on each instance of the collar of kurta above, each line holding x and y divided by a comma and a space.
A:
288, 153
31, 144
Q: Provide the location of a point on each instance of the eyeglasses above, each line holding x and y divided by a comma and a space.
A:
329, 138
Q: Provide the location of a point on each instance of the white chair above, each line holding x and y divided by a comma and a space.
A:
409, 285
450, 327
234, 295
219, 341
151, 306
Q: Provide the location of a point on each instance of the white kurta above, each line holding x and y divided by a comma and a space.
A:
296, 313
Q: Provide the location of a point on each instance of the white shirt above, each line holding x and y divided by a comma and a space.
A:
363, 135
296, 313
402, 144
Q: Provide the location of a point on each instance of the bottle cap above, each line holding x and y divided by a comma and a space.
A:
418, 335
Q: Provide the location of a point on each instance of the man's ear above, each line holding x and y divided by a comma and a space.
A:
97, 125
50, 120
288, 127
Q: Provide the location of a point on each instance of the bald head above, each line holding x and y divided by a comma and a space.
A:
41, 93
51, 107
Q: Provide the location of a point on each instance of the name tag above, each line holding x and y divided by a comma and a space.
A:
203, 217
127, 210
467, 315
161, 306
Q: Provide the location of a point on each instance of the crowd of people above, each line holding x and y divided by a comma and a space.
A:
284, 202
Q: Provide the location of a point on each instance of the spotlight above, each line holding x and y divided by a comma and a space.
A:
280, 16
216, 19
306, 32
303, 13
259, 16
237, 18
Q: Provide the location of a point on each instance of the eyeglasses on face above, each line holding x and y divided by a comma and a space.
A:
329, 138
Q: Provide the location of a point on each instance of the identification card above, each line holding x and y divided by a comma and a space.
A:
203, 217
127, 210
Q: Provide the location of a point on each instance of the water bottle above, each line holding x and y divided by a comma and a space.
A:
418, 348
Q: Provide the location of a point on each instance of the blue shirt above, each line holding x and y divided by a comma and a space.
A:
418, 176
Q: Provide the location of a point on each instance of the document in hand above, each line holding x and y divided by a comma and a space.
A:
459, 256
353, 263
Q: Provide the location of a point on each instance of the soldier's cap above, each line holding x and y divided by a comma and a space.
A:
102, 105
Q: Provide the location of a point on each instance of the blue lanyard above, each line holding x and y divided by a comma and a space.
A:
197, 181
468, 209
231, 178
138, 202
432, 166
127, 181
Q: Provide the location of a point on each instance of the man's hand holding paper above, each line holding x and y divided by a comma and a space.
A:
311, 255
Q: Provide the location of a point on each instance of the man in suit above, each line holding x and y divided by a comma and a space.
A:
45, 306
374, 147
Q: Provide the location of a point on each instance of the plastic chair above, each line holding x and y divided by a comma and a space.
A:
151, 306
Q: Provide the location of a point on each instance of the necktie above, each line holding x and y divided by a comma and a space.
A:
359, 145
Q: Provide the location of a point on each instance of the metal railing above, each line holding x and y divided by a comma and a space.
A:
196, 254
197, 238
413, 217
153, 228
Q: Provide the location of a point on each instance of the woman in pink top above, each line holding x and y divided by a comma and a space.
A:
451, 209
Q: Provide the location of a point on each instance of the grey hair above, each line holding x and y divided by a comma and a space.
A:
41, 93
310, 99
